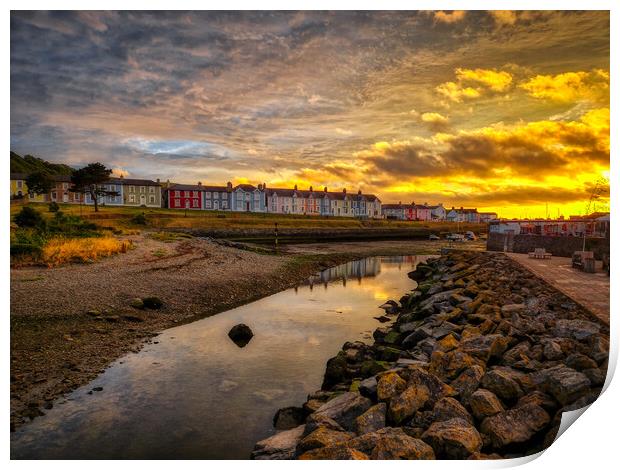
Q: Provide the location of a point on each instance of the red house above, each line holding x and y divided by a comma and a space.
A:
185, 196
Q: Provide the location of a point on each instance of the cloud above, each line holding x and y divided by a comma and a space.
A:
504, 17
473, 83
453, 16
436, 122
570, 86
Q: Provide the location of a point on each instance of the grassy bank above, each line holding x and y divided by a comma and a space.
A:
258, 227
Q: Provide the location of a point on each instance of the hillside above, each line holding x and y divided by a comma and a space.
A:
30, 164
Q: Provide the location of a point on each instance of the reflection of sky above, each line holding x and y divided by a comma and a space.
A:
197, 395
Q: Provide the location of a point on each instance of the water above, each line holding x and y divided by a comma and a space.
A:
192, 393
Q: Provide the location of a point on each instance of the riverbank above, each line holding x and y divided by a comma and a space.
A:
479, 362
69, 323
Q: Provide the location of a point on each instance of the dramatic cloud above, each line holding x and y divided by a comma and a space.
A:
504, 100
570, 86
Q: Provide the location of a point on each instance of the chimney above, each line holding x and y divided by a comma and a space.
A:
121, 176
399, 203
264, 186
199, 183
295, 187
359, 192
344, 190
157, 180
229, 186
310, 188
325, 189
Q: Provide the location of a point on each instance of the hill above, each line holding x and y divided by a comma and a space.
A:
30, 164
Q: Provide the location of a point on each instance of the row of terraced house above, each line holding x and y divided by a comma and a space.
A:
247, 198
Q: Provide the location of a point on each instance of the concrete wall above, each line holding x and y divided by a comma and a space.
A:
558, 246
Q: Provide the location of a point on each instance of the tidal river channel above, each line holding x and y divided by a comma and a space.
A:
192, 393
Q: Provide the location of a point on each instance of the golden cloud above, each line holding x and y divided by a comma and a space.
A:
504, 17
570, 86
434, 118
472, 83
452, 17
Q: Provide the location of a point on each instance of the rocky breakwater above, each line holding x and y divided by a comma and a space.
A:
481, 360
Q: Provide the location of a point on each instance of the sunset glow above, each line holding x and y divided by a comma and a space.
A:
503, 111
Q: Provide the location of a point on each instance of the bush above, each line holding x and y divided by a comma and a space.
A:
71, 226
139, 219
53, 206
31, 218
27, 243
65, 250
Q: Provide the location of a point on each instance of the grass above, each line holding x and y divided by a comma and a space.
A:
120, 219
65, 250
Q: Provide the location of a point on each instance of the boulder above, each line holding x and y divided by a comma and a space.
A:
448, 408
316, 421
485, 346
392, 444
565, 384
577, 329
449, 365
336, 370
368, 387
408, 402
344, 409
289, 417
515, 426
503, 383
371, 420
240, 334
389, 385
438, 298
137, 303
484, 403
467, 382
280, 446
552, 351
580, 362
321, 437
453, 439
510, 309
335, 452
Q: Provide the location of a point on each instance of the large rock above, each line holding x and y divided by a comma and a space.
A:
467, 382
335, 370
389, 385
438, 298
289, 417
408, 402
335, 452
240, 334
392, 444
344, 409
503, 383
577, 329
565, 384
321, 437
484, 403
368, 387
371, 420
449, 365
515, 426
485, 347
279, 446
448, 408
453, 439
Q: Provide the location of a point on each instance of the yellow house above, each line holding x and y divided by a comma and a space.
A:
20, 190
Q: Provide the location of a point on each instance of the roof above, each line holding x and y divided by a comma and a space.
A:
246, 187
19, 176
137, 182
186, 187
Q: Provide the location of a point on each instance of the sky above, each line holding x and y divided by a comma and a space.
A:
500, 110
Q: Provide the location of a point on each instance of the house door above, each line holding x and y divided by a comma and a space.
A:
216, 205
247, 206
142, 200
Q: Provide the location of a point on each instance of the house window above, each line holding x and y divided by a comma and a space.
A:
20, 184
208, 204
208, 195
177, 202
151, 199
142, 189
215, 195
194, 202
224, 204
65, 185
151, 189
132, 189
132, 198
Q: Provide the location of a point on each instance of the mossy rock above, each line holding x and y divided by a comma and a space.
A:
355, 385
137, 303
393, 337
390, 354
154, 303
372, 367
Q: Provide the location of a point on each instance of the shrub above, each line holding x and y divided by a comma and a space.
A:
64, 250
53, 206
139, 219
27, 243
30, 217
71, 226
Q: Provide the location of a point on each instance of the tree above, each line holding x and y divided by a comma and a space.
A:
39, 182
30, 218
90, 180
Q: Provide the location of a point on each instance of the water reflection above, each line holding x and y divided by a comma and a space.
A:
195, 394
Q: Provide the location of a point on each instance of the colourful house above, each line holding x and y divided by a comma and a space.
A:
185, 196
113, 185
140, 193
248, 198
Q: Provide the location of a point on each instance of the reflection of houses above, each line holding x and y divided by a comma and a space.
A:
367, 267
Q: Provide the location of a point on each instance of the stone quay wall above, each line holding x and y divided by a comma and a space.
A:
558, 246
